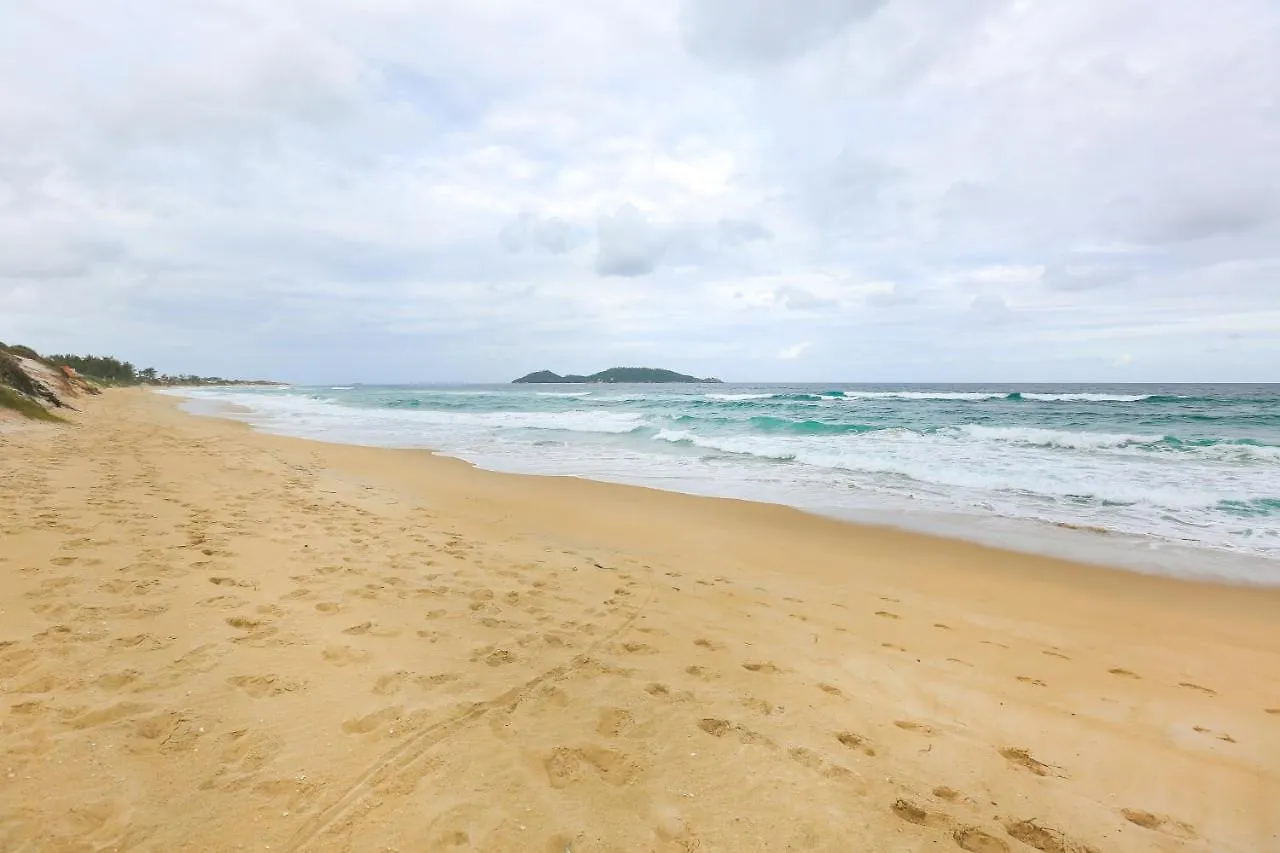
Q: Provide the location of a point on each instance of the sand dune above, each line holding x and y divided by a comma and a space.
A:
217, 640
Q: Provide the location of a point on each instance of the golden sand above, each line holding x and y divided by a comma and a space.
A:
212, 639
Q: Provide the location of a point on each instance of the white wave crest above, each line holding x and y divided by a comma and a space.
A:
968, 396
1087, 398
1040, 437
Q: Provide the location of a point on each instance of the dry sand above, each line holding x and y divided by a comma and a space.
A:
217, 640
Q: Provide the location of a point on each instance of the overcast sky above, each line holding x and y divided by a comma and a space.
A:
468, 190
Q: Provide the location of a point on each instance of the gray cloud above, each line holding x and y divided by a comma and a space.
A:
344, 186
992, 309
550, 235
628, 244
739, 232
799, 299
1202, 219
1085, 276
744, 32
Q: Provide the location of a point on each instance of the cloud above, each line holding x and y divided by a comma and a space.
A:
794, 351
528, 231
308, 189
1201, 219
799, 299
992, 309
887, 295
628, 244
1086, 276
747, 32
739, 232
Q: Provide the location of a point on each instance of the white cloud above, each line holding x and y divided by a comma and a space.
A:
794, 351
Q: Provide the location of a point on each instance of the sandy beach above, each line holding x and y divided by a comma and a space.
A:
212, 639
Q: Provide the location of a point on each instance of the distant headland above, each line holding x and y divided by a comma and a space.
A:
613, 374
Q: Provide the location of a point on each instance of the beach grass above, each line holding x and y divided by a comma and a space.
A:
25, 406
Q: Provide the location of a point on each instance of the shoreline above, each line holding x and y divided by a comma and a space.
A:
1100, 547
246, 639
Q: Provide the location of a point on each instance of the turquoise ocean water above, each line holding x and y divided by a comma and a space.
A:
1178, 479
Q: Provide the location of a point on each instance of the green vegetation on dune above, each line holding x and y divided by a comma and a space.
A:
102, 368
613, 374
25, 406
16, 379
32, 384
113, 371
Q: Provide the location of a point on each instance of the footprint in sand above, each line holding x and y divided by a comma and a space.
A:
1045, 838
390, 684
808, 758
913, 726
914, 813
1026, 679
226, 581
1208, 691
112, 681
566, 765
886, 614
831, 689
223, 602
1022, 759
1123, 673
110, 714
1222, 736
1271, 710
977, 841
265, 686
615, 722
1160, 823
855, 741
765, 667
1055, 654
344, 655
384, 719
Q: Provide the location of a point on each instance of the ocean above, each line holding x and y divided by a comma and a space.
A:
1174, 479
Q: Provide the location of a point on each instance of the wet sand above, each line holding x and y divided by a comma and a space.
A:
212, 639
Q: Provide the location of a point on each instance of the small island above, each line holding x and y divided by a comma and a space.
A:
613, 374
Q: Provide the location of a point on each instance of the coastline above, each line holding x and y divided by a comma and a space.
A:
859, 685
1117, 495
